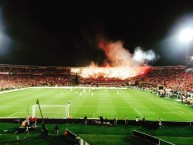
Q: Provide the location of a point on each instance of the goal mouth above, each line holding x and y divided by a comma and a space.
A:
50, 111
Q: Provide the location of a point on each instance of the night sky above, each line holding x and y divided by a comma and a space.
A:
64, 33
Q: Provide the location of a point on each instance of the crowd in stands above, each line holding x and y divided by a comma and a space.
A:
109, 81
102, 81
170, 78
174, 78
21, 81
170, 81
25, 76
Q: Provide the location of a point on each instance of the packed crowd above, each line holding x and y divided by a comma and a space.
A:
109, 81
102, 81
25, 76
170, 82
21, 81
170, 78
174, 78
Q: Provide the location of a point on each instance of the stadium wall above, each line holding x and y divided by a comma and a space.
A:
147, 123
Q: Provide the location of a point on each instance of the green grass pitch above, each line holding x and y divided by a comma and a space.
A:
94, 102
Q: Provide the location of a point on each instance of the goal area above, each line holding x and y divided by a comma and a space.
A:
51, 111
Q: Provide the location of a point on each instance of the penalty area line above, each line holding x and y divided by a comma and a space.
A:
12, 115
138, 111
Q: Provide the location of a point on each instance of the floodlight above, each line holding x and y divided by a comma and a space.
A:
186, 35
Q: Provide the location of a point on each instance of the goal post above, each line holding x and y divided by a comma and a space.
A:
51, 111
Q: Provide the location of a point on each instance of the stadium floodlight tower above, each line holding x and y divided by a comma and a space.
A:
186, 37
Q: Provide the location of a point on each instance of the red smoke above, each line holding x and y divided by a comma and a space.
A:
119, 63
117, 55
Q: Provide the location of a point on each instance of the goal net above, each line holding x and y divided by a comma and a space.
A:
51, 111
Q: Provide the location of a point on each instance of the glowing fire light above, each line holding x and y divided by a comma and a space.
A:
110, 72
120, 64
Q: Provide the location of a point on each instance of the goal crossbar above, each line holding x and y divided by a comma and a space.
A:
51, 111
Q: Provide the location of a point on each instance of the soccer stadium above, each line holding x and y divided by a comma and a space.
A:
63, 96
96, 73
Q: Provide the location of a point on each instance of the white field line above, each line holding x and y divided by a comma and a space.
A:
3, 92
173, 112
177, 105
12, 115
9, 117
11, 106
138, 111
80, 87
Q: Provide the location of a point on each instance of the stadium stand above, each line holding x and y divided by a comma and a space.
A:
172, 80
165, 79
27, 76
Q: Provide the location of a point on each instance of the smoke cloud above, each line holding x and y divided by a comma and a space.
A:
119, 63
143, 57
118, 56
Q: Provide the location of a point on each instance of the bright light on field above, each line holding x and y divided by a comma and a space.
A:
186, 35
